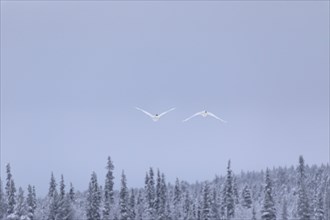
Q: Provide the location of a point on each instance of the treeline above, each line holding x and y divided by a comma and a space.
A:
300, 192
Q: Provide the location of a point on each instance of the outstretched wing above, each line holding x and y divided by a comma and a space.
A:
166, 112
214, 116
145, 112
194, 115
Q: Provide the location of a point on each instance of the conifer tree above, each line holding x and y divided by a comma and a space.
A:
20, 208
53, 199
53, 213
72, 193
223, 203
52, 185
235, 191
31, 201
123, 199
93, 199
140, 206
34, 196
228, 197
187, 212
284, 214
199, 209
206, 206
62, 188
319, 212
177, 199
2, 201
65, 211
132, 212
254, 213
150, 194
168, 212
302, 204
10, 192
247, 199
163, 209
215, 204
160, 201
108, 190
327, 198
268, 211
158, 195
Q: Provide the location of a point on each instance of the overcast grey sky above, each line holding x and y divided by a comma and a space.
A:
72, 72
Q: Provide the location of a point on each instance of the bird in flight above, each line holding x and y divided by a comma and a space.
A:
155, 117
205, 114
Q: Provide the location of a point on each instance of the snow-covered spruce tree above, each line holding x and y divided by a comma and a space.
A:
140, 205
302, 203
61, 205
254, 213
158, 195
284, 214
313, 186
147, 197
206, 205
62, 187
160, 201
177, 200
123, 199
187, 206
199, 208
52, 185
10, 192
52, 199
2, 201
31, 202
72, 193
168, 211
268, 211
20, 208
327, 199
228, 197
235, 190
53, 206
93, 199
150, 194
65, 210
215, 205
132, 212
193, 209
222, 211
246, 196
319, 197
108, 190
165, 203
319, 212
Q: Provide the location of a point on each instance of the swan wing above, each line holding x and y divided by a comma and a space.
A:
214, 116
160, 115
194, 115
145, 112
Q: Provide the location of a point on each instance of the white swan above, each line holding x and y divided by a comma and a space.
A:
205, 114
155, 117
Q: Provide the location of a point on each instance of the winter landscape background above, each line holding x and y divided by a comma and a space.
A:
72, 72
297, 192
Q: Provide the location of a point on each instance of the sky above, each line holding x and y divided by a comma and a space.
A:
72, 73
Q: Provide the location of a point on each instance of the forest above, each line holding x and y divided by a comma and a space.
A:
299, 192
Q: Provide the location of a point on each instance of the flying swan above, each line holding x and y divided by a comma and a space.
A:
205, 114
155, 117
